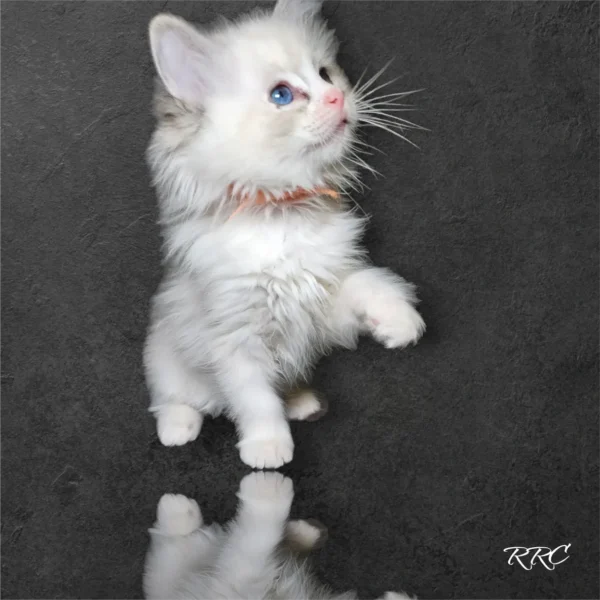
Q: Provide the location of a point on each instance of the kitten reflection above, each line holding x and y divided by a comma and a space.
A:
260, 554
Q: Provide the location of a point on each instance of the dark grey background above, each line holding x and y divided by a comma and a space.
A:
432, 460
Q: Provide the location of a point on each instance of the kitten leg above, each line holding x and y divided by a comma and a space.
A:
178, 545
265, 438
305, 535
383, 303
256, 532
305, 405
179, 394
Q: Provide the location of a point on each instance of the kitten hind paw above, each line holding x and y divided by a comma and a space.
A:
177, 424
306, 534
305, 405
177, 515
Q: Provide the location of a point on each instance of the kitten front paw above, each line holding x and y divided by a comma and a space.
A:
177, 424
268, 453
177, 515
266, 444
268, 492
396, 324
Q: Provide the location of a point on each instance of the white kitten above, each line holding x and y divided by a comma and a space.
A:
254, 293
260, 554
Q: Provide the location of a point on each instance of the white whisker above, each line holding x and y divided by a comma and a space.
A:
385, 103
361, 163
392, 119
355, 189
361, 151
387, 128
363, 143
367, 93
387, 125
348, 177
365, 86
377, 110
357, 84
396, 95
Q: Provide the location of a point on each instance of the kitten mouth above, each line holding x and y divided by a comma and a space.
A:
341, 125
335, 133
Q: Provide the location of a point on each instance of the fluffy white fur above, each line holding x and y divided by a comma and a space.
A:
260, 554
249, 302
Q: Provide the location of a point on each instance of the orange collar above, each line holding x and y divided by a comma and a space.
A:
296, 195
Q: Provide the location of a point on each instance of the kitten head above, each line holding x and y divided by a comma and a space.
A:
261, 102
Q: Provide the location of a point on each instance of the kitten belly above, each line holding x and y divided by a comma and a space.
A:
268, 286
294, 267
294, 319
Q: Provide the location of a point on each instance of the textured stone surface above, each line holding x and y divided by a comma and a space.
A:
430, 461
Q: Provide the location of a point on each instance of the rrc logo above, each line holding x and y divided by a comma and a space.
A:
529, 557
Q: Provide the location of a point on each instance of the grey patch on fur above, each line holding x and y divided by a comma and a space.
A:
173, 113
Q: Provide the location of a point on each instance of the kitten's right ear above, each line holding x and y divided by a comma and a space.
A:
182, 56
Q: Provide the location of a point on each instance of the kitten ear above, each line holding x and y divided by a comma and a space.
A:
298, 10
182, 56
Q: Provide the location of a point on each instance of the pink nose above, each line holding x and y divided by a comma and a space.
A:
334, 97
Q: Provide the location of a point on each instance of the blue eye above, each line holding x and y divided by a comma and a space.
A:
281, 95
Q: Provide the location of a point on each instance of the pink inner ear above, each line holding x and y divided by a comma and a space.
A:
182, 66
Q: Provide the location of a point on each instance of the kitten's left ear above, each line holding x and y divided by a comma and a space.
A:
183, 57
298, 10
